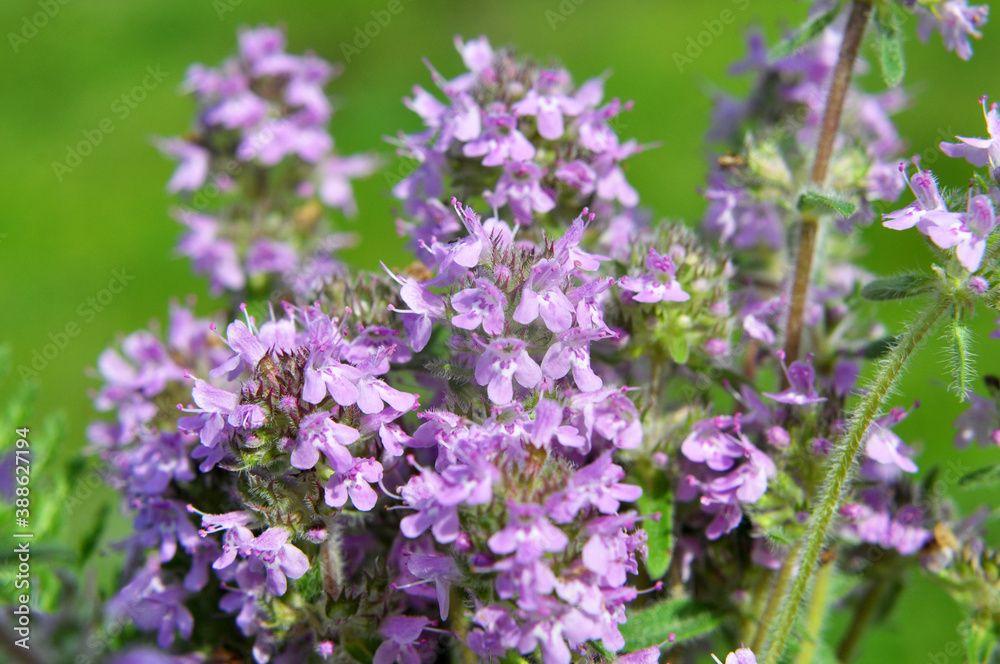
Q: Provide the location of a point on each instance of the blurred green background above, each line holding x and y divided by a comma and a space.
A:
63, 235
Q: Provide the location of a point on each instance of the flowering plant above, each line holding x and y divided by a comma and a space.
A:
563, 432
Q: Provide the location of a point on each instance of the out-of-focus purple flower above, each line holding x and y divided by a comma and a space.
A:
885, 447
659, 284
402, 633
520, 187
978, 423
709, 444
956, 21
801, 385
192, 171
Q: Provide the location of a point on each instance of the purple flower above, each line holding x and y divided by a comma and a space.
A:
440, 569
483, 304
978, 423
709, 444
956, 21
548, 108
154, 605
543, 296
502, 361
528, 535
659, 284
281, 559
929, 208
801, 385
596, 484
885, 447
402, 633
979, 151
520, 187
500, 142
319, 433
354, 483
571, 350
967, 233
210, 253
741, 656
192, 171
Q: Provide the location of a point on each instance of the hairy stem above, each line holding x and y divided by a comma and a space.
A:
839, 472
853, 33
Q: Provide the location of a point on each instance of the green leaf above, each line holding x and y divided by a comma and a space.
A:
898, 287
960, 358
657, 497
980, 641
879, 347
684, 618
93, 534
806, 32
813, 199
985, 477
680, 350
890, 46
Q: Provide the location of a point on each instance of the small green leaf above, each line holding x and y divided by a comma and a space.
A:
806, 32
657, 497
897, 288
680, 350
879, 347
813, 199
960, 358
684, 618
985, 477
890, 46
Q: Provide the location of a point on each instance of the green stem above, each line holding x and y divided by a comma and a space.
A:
841, 465
861, 620
817, 614
777, 592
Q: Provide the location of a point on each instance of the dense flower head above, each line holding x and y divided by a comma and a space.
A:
454, 453
261, 134
541, 147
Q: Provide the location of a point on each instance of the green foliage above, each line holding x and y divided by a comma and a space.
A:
980, 641
810, 200
890, 44
684, 618
897, 288
657, 497
806, 33
987, 477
